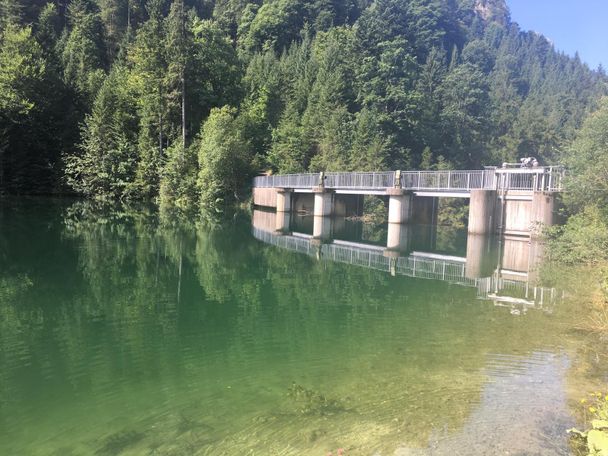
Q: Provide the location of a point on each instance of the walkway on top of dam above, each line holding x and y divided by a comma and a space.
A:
422, 183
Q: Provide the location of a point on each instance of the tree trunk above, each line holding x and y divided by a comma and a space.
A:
179, 281
160, 122
183, 81
183, 115
160, 134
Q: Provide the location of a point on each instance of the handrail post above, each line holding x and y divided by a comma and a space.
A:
544, 180
397, 183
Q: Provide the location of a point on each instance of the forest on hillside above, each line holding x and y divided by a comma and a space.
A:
183, 101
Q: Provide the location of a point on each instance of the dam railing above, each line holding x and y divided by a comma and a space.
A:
542, 178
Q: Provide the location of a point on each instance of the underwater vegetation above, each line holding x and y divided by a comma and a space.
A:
310, 402
118, 442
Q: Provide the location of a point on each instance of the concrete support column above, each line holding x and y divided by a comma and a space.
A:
321, 230
284, 200
282, 221
323, 203
399, 206
481, 211
482, 256
543, 206
398, 238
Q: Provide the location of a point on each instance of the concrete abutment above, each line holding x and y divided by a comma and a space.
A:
543, 210
522, 214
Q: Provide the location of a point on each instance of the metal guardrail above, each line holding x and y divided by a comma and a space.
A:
363, 181
416, 266
496, 288
412, 266
287, 181
547, 178
464, 181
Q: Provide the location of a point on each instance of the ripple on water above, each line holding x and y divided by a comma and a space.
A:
219, 345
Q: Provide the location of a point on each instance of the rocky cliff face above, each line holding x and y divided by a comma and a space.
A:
493, 11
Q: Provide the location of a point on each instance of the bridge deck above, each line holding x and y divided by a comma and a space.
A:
425, 183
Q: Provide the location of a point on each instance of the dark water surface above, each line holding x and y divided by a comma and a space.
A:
126, 332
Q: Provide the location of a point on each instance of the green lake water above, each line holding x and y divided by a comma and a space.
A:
123, 331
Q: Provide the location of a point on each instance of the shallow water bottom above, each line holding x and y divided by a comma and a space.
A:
124, 335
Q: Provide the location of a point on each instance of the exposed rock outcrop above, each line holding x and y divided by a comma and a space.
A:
493, 11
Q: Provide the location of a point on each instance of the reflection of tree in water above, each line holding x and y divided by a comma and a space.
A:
167, 311
450, 239
589, 369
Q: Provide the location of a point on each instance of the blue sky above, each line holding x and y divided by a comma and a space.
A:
572, 25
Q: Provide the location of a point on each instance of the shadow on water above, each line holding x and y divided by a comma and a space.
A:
128, 331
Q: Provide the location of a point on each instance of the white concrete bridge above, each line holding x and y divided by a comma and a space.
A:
507, 200
457, 184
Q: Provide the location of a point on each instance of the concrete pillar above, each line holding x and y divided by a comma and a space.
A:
482, 256
321, 228
282, 221
399, 206
481, 211
284, 200
323, 204
543, 206
398, 238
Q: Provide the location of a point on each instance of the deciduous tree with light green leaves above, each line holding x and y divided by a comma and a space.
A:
587, 163
223, 159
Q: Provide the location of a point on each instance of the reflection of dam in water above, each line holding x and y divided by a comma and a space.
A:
502, 270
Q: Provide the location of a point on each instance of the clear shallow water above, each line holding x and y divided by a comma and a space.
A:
126, 332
